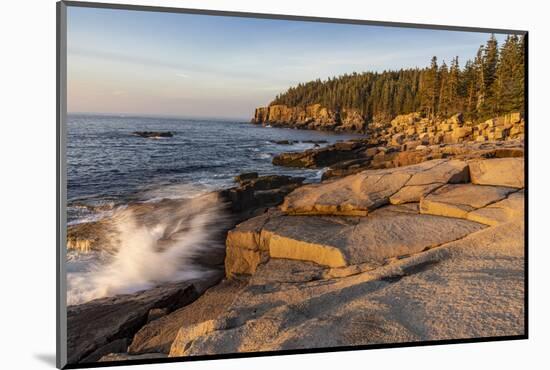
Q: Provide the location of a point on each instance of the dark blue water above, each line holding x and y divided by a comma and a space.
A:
108, 166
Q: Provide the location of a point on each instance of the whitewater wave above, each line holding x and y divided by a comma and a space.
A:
150, 248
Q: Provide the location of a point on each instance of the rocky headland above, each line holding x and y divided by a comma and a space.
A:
312, 117
415, 233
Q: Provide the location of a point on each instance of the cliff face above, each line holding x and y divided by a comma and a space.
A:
313, 117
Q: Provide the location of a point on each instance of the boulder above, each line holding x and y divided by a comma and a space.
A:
398, 139
153, 134
320, 157
358, 194
243, 246
346, 168
157, 336
498, 172
272, 182
453, 171
337, 242
283, 142
458, 200
246, 177
462, 132
353, 195
259, 192
187, 334
500, 212
89, 236
507, 152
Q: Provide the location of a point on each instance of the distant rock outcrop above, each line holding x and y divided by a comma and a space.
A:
314, 117
153, 134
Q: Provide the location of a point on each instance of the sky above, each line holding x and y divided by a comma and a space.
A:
188, 65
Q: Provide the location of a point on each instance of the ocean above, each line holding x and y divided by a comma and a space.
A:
108, 167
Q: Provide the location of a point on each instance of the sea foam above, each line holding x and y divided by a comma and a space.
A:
149, 249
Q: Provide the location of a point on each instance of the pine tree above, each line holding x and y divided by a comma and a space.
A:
503, 86
490, 62
480, 89
429, 89
453, 87
444, 100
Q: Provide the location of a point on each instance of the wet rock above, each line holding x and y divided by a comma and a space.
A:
156, 313
272, 182
153, 134
346, 168
116, 346
314, 141
283, 142
89, 236
246, 177
259, 193
93, 325
321, 157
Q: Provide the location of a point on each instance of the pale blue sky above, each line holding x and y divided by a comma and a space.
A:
123, 61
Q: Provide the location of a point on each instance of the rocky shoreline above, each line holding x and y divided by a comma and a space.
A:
415, 233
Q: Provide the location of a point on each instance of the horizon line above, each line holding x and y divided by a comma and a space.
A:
159, 115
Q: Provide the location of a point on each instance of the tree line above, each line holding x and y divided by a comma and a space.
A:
490, 85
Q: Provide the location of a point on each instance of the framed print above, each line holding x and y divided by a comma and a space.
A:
235, 184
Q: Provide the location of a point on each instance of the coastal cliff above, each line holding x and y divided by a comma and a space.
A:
313, 117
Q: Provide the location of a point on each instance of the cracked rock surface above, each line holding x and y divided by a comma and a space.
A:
412, 253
